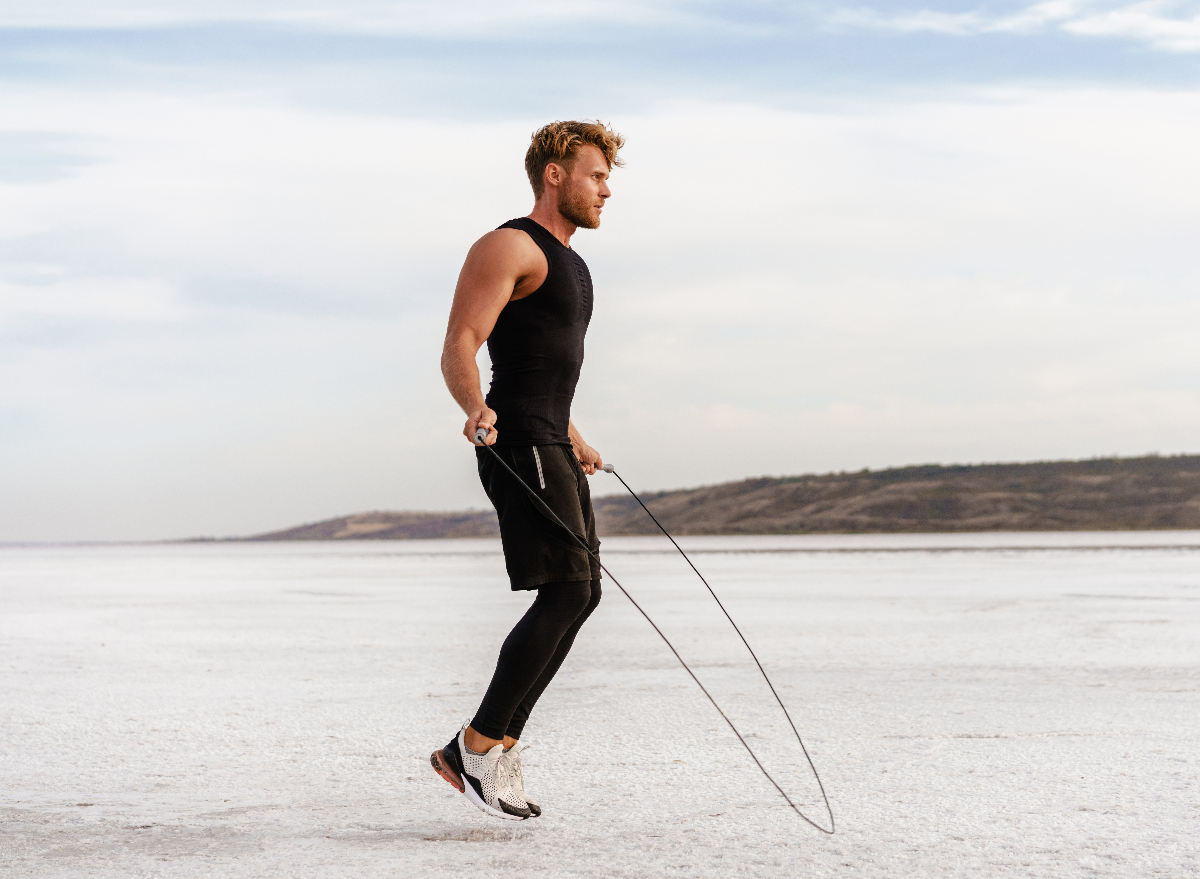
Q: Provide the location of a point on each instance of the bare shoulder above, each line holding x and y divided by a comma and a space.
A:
508, 258
511, 247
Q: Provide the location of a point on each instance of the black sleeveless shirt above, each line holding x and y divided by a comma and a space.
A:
537, 347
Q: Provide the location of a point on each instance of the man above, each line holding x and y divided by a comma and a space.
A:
526, 293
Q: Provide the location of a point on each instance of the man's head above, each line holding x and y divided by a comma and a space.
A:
573, 159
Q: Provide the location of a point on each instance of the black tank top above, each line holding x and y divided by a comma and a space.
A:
537, 347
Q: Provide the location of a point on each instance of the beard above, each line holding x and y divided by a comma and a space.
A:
576, 207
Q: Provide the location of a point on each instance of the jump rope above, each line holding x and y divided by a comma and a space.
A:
481, 435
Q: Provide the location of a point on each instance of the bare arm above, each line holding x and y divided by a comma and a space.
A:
501, 266
588, 457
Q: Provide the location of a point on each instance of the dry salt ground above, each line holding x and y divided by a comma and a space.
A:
977, 705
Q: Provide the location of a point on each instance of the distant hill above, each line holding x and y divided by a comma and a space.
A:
1102, 494
393, 526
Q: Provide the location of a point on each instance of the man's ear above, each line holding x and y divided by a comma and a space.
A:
555, 174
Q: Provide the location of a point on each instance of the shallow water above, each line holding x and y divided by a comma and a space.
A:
983, 705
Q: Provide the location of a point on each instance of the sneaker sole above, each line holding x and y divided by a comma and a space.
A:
443, 769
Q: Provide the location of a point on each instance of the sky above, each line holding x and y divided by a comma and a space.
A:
845, 236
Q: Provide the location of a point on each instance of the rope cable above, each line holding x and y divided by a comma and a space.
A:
583, 543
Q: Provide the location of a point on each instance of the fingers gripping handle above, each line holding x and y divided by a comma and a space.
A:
481, 436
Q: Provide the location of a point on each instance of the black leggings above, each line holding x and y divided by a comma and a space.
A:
531, 655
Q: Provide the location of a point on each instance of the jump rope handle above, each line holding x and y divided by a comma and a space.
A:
481, 435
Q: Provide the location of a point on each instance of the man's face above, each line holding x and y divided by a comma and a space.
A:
581, 196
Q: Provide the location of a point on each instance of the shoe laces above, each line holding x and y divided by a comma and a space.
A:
502, 767
513, 755
512, 764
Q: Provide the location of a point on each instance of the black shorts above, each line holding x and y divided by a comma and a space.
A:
536, 548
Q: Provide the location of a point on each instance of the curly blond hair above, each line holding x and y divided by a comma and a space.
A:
559, 142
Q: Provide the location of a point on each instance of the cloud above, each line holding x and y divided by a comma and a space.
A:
37, 157
228, 318
138, 300
1142, 22
223, 193
776, 54
1150, 22
423, 17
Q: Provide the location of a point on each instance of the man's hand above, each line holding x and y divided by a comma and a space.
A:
481, 417
588, 457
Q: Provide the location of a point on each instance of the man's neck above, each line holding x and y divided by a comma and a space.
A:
548, 217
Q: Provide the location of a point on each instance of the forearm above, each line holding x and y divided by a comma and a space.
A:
461, 373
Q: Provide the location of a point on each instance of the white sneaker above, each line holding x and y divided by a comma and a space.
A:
485, 779
513, 755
